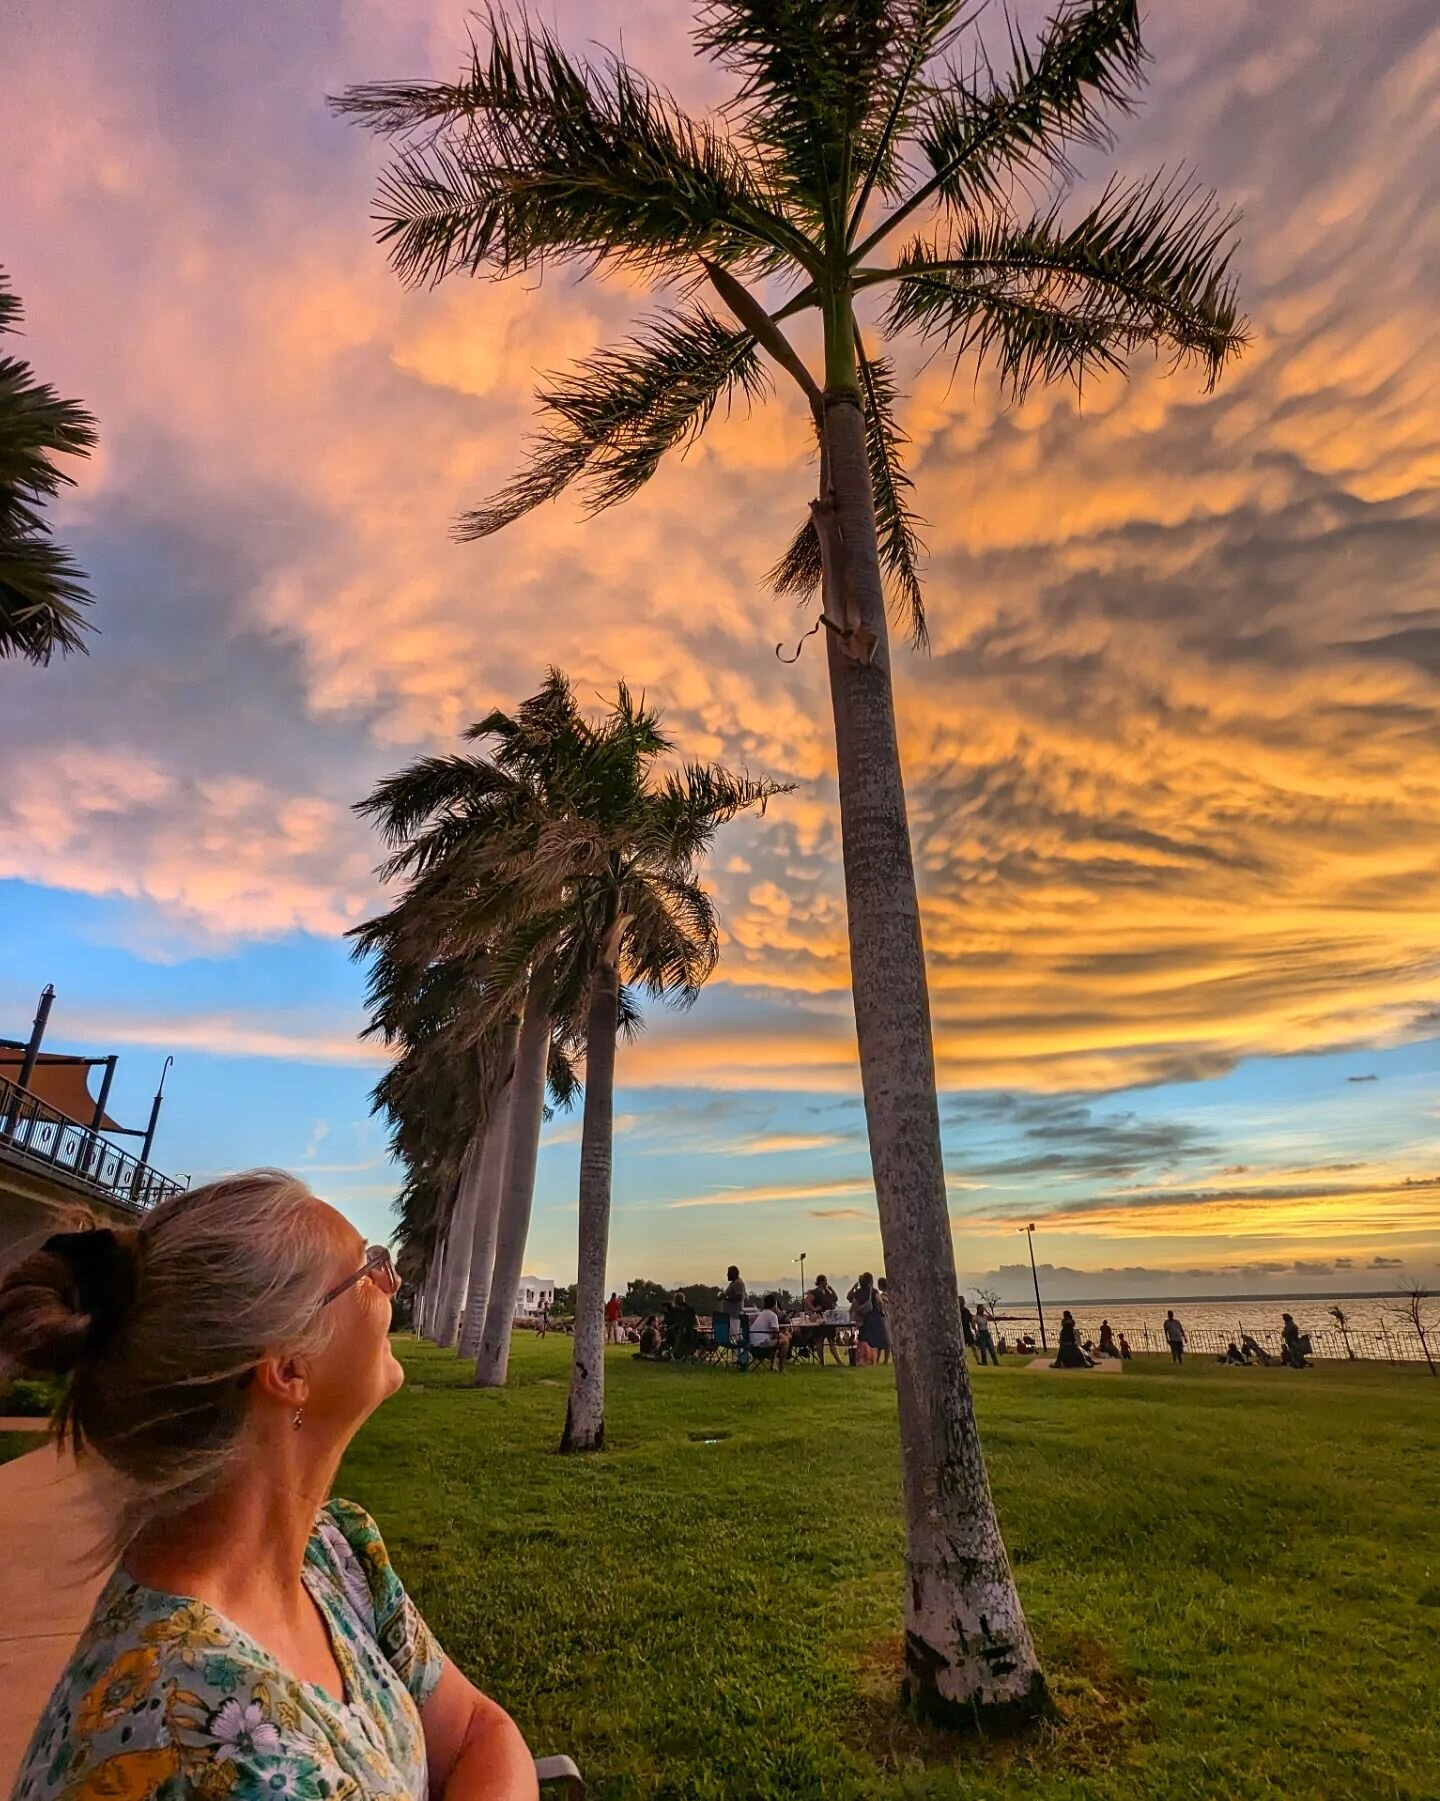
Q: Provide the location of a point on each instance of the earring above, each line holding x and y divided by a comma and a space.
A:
299, 1419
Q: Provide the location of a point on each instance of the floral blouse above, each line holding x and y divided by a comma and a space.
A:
165, 1697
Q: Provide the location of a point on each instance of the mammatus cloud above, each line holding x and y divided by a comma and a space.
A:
1175, 787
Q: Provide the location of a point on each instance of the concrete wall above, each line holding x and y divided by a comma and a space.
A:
34, 1203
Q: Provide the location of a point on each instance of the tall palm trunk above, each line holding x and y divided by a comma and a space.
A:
467, 1225
487, 1210
585, 1414
969, 1656
522, 1146
455, 1279
434, 1276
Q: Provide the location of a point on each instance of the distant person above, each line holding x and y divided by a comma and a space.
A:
822, 1298
613, 1334
1174, 1337
1069, 1356
544, 1316
649, 1337
1107, 1340
821, 1301
863, 1308
967, 1328
1125, 1351
679, 1330
732, 1304
1293, 1345
1233, 1354
882, 1295
769, 1341
984, 1335
1253, 1348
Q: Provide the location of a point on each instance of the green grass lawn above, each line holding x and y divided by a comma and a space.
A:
1233, 1575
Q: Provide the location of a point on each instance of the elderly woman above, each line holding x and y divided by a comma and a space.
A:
254, 1638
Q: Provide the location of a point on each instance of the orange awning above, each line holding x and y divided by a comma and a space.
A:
61, 1083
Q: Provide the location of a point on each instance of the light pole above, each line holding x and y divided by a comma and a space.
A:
155, 1112
1034, 1276
801, 1261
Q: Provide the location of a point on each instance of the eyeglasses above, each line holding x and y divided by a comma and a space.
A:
379, 1266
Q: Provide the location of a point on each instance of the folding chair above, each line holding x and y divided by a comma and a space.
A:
561, 1773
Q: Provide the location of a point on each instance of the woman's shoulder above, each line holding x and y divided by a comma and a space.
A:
148, 1666
347, 1546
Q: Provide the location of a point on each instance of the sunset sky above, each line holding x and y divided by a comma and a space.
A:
1173, 761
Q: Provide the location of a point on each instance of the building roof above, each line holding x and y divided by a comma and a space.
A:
61, 1082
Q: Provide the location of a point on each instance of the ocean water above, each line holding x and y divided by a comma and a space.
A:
1374, 1324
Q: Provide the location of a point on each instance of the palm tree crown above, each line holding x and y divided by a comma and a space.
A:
562, 833
41, 590
861, 156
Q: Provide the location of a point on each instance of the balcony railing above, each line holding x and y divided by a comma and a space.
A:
33, 1132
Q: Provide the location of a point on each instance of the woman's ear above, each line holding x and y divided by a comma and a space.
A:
284, 1379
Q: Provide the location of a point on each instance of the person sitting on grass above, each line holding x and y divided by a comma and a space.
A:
1069, 1356
253, 1637
1125, 1351
769, 1340
1233, 1354
1253, 1348
1294, 1346
649, 1337
680, 1332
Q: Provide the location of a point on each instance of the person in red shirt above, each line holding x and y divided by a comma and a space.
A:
612, 1320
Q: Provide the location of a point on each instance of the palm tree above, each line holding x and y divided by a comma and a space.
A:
617, 872
867, 173
454, 1023
437, 1097
559, 862
41, 590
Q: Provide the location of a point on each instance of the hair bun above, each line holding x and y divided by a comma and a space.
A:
65, 1300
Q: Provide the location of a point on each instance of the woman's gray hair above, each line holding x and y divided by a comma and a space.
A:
213, 1281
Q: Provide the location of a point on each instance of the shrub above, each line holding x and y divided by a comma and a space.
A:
31, 1397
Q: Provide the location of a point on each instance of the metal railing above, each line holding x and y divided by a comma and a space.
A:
1397, 1343
34, 1132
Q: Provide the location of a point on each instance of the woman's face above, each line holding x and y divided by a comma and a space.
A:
356, 1370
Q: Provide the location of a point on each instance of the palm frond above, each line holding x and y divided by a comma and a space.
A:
449, 785
536, 154
683, 814
896, 525
618, 411
798, 571
807, 78
42, 590
1148, 265
920, 31
11, 311
979, 131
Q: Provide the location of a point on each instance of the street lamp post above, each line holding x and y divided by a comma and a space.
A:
142, 1174
801, 1261
1034, 1276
